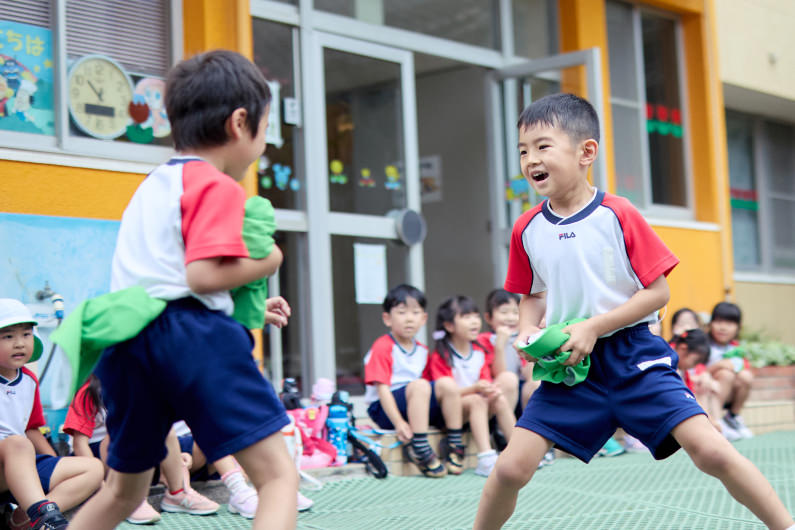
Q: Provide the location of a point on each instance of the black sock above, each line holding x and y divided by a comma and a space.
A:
39, 507
455, 436
421, 446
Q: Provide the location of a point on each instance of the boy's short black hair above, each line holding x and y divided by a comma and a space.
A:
572, 114
498, 297
203, 91
400, 294
727, 311
697, 341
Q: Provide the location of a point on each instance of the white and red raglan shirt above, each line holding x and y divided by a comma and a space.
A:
588, 263
466, 369
389, 364
20, 405
184, 210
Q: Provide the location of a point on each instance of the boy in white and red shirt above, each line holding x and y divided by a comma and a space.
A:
397, 395
27, 477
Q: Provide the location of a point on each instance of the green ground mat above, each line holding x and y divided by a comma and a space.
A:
630, 491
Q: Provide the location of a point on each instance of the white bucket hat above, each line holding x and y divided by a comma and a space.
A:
15, 312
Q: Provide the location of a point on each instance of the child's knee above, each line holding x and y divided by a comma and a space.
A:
418, 389
16, 446
512, 474
713, 459
745, 378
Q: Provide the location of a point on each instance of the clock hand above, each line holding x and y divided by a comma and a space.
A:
98, 93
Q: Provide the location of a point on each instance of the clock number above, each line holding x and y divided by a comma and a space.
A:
99, 124
75, 92
79, 79
98, 69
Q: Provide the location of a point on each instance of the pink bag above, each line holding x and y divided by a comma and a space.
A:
311, 422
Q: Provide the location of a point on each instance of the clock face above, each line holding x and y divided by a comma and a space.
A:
100, 92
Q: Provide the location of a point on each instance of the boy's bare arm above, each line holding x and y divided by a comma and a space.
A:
583, 335
387, 400
222, 274
40, 443
531, 311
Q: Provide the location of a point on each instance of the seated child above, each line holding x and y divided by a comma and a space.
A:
729, 368
684, 319
41, 485
85, 422
692, 346
397, 395
458, 356
511, 372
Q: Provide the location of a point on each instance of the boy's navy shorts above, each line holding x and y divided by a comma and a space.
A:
377, 414
632, 383
191, 364
45, 466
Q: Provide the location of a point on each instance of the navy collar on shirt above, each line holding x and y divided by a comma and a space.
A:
12, 382
401, 347
554, 218
177, 160
457, 354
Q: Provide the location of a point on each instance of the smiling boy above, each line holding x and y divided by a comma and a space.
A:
584, 253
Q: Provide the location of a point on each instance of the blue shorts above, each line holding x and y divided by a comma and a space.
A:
45, 466
632, 384
191, 364
378, 415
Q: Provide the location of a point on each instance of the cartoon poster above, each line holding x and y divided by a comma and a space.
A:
26, 78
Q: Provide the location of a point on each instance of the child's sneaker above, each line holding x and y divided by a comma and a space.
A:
49, 518
611, 448
738, 425
303, 503
144, 514
244, 502
486, 463
633, 445
430, 466
548, 459
188, 501
453, 456
728, 431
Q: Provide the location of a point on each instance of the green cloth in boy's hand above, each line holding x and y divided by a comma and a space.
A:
259, 225
549, 366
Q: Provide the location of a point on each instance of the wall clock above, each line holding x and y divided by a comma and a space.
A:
100, 92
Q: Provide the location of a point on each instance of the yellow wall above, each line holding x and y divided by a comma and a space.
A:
750, 31
767, 307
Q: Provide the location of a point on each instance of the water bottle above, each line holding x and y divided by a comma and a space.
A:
337, 424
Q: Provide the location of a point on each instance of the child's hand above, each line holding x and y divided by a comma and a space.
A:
277, 311
582, 337
404, 432
521, 341
503, 334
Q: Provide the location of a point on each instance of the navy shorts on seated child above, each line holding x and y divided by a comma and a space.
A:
377, 414
45, 466
632, 384
192, 364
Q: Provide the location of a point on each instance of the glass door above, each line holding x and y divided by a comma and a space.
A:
364, 169
509, 91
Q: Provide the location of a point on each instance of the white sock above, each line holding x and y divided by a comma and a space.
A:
234, 481
484, 454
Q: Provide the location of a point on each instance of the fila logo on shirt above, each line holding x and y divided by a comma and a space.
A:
565, 235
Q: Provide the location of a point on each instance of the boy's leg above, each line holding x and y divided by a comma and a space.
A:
515, 467
272, 471
18, 461
725, 379
74, 479
476, 410
418, 400
121, 494
714, 455
449, 397
172, 465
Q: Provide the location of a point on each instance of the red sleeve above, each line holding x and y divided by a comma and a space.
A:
436, 368
648, 255
36, 418
213, 205
519, 278
80, 418
379, 365
485, 370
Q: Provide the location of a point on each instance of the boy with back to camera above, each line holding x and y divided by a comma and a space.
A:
180, 238
399, 398
584, 253
25, 477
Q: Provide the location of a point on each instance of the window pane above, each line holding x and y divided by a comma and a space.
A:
627, 152
468, 21
621, 50
535, 28
364, 126
279, 173
779, 161
26, 68
663, 111
744, 202
357, 325
783, 217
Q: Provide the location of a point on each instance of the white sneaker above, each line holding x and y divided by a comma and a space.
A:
736, 422
633, 445
728, 432
244, 502
486, 463
303, 503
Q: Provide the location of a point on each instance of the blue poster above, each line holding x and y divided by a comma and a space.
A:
26, 78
